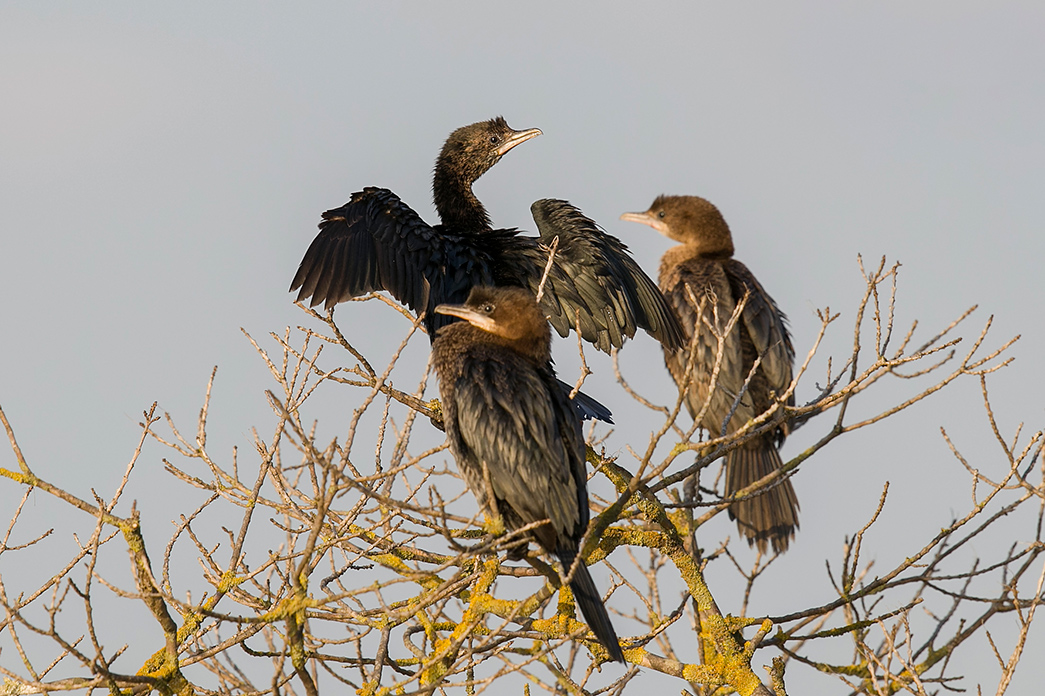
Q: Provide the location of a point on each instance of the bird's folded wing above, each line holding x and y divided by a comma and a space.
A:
701, 294
767, 327
516, 425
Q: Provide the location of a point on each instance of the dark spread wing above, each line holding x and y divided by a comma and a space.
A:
524, 429
767, 327
373, 242
594, 275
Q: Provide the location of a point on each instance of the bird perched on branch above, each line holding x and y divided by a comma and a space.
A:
513, 432
704, 284
377, 242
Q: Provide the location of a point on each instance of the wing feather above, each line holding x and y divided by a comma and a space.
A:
527, 435
708, 303
767, 327
373, 242
598, 278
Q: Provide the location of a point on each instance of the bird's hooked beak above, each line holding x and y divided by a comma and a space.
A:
477, 319
518, 137
646, 218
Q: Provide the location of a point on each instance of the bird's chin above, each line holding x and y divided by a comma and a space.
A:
646, 219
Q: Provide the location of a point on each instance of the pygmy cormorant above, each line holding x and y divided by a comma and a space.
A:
513, 432
704, 263
377, 242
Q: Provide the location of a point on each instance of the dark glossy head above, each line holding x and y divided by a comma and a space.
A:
691, 220
510, 316
471, 150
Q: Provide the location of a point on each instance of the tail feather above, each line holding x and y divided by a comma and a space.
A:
587, 407
769, 517
590, 602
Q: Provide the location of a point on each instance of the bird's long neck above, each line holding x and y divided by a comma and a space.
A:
536, 347
680, 254
458, 207
714, 248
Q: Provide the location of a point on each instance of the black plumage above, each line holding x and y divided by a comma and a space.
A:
594, 270
511, 428
377, 242
703, 265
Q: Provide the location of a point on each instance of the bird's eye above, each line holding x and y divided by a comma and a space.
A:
494, 139
660, 214
486, 308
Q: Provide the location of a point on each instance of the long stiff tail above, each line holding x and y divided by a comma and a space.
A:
770, 516
590, 602
587, 407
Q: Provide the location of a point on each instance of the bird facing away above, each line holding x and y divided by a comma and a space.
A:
703, 265
513, 432
376, 242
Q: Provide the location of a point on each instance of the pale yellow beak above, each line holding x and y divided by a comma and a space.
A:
517, 138
471, 316
646, 218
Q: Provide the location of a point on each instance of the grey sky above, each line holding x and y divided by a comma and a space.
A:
163, 167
